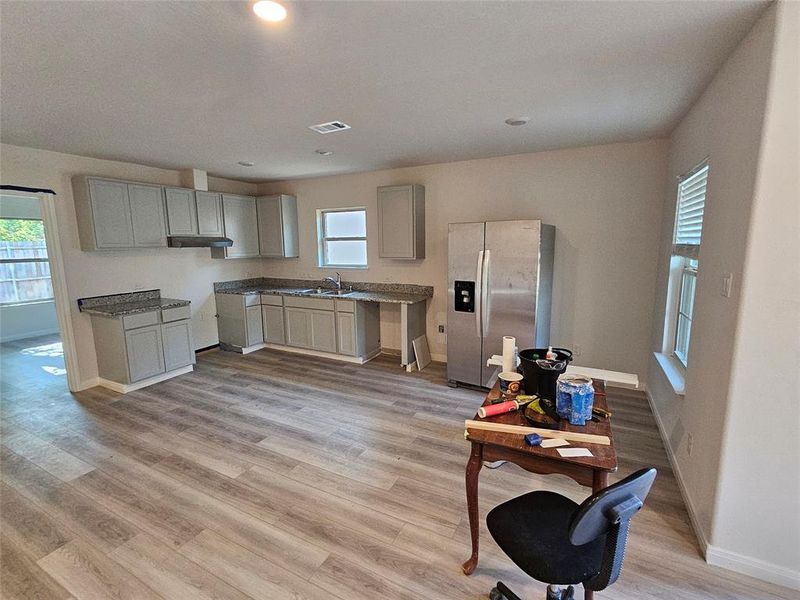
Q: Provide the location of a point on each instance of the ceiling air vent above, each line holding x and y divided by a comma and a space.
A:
330, 127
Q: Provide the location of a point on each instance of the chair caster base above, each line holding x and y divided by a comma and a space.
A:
501, 592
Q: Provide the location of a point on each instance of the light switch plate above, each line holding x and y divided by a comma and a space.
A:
727, 283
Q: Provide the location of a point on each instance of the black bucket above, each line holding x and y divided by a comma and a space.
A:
540, 378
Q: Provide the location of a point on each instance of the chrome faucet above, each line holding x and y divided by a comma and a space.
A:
337, 282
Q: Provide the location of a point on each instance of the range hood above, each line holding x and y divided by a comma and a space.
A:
197, 241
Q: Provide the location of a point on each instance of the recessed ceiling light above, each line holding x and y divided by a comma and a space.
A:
324, 152
517, 121
269, 11
246, 163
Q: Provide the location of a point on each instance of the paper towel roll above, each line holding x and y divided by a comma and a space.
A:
509, 357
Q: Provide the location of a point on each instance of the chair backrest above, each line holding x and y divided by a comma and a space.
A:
608, 512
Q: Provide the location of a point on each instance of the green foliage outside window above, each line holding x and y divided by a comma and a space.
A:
21, 230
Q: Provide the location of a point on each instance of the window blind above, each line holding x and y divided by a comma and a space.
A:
689, 217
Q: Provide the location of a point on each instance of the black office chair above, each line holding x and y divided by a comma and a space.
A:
558, 542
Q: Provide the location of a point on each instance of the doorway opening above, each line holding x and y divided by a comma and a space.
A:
32, 360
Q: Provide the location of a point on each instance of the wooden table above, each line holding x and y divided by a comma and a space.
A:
493, 446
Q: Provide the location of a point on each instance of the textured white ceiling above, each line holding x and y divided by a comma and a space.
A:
206, 84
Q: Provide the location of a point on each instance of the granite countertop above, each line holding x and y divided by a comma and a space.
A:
120, 305
368, 292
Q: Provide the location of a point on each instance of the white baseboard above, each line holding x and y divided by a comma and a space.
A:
359, 360
698, 530
124, 388
753, 567
87, 383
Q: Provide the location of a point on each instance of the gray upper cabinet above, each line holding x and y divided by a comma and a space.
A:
240, 220
181, 211
147, 216
111, 214
209, 214
118, 215
277, 226
401, 221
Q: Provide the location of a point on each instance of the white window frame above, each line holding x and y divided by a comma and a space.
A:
323, 238
684, 264
13, 261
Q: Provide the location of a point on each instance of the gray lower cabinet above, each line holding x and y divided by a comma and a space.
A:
334, 326
346, 330
298, 327
145, 351
277, 226
181, 211
142, 345
255, 332
311, 329
272, 323
176, 338
323, 331
147, 216
240, 219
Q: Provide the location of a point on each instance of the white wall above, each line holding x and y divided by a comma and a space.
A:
757, 518
605, 202
184, 273
20, 321
725, 125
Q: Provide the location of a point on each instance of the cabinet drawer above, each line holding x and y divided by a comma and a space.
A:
252, 300
176, 314
271, 300
345, 305
315, 303
140, 320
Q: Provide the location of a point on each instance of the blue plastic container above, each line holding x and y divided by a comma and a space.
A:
575, 399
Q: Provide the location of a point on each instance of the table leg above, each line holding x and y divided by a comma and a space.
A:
473, 468
599, 480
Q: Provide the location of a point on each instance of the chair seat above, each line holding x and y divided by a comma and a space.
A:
533, 530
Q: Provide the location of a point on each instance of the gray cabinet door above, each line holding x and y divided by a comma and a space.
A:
147, 216
181, 211
298, 327
209, 214
241, 225
272, 320
323, 330
277, 226
111, 213
346, 330
401, 221
178, 346
145, 352
255, 334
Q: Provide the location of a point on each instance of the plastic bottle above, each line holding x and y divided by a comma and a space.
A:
550, 354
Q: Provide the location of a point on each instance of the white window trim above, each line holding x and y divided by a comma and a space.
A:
674, 368
321, 238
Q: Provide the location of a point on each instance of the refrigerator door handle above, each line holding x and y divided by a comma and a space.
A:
478, 294
487, 257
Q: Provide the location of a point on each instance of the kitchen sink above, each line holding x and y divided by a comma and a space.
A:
336, 292
324, 292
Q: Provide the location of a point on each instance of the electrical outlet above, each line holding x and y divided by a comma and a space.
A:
441, 328
689, 443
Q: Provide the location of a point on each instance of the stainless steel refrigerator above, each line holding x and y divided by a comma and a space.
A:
499, 282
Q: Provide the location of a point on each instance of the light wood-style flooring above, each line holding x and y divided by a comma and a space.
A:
275, 476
